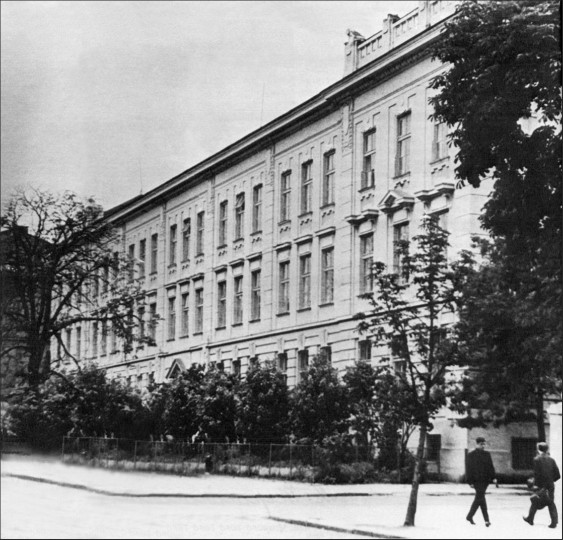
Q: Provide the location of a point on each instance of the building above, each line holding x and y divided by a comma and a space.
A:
262, 250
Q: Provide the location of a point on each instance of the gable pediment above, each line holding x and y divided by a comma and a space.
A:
396, 199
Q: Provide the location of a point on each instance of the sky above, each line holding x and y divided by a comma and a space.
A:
111, 99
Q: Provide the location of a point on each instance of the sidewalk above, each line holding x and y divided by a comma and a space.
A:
377, 510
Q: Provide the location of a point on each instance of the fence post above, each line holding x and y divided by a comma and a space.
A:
135, 456
63, 449
290, 462
270, 461
313, 463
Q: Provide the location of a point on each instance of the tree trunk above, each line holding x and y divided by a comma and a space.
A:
539, 417
411, 510
37, 364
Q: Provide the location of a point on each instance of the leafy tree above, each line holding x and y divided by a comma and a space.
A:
319, 405
263, 404
502, 96
56, 248
218, 406
407, 315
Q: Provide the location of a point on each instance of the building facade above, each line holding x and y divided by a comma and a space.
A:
263, 249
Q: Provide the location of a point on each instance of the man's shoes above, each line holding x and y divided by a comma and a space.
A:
528, 521
470, 520
552, 525
488, 523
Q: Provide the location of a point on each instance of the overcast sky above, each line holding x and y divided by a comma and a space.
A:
108, 98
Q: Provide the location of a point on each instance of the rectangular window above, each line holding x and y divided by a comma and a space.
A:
399, 367
368, 161
327, 275
152, 321
282, 362
104, 338
285, 200
239, 216
237, 311
221, 304
403, 144
131, 257
256, 293
172, 318
95, 339
523, 453
283, 305
68, 340
236, 368
199, 310
199, 239
364, 349
257, 208
305, 281
439, 143
433, 445
141, 317
306, 187
172, 245
400, 234
78, 341
223, 223
302, 364
142, 257
185, 314
328, 179
154, 253
113, 347
366, 255
326, 354
186, 234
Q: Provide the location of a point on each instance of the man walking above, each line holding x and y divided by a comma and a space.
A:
480, 473
546, 473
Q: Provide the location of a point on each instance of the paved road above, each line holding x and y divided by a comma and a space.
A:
34, 510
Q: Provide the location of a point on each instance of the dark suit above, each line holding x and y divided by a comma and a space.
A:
480, 472
546, 473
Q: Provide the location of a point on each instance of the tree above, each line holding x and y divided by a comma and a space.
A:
407, 316
502, 96
263, 404
319, 405
60, 249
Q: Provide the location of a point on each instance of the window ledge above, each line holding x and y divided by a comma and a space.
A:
305, 214
240, 239
366, 188
222, 246
184, 336
326, 304
220, 327
254, 320
172, 265
284, 222
197, 334
402, 175
282, 314
171, 339
237, 324
439, 160
304, 309
327, 205
259, 231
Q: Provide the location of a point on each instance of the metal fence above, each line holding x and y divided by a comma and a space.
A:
291, 461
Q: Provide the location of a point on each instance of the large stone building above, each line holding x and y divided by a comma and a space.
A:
262, 250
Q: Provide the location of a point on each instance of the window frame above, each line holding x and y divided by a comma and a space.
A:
283, 287
172, 244
223, 219
257, 208
221, 303
366, 263
238, 290
403, 165
200, 232
285, 196
239, 216
154, 253
327, 275
256, 294
305, 281
186, 237
328, 178
368, 157
171, 326
307, 187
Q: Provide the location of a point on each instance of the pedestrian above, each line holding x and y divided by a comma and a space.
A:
480, 473
546, 473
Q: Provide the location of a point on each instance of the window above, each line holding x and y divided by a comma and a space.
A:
105, 278
104, 338
400, 234
78, 341
237, 311
131, 257
223, 223
327, 275
282, 362
326, 354
366, 254
523, 453
255, 295
68, 339
239, 216
283, 305
172, 318
115, 266
185, 314
399, 367
305, 281
95, 339
113, 338
142, 257
236, 368
257, 208
403, 144
199, 239
154, 253
199, 310
152, 321
302, 364
439, 143
368, 162
141, 317
285, 196
96, 285
221, 304
364, 349
306, 187
433, 445
172, 246
186, 233
328, 178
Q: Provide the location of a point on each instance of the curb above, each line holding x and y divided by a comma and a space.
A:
334, 529
182, 495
